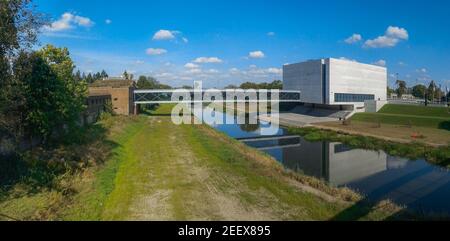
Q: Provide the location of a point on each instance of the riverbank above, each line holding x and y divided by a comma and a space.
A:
391, 132
413, 150
156, 170
402, 140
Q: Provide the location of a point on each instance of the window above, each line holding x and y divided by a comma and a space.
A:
339, 97
341, 148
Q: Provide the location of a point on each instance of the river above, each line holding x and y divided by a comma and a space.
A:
415, 184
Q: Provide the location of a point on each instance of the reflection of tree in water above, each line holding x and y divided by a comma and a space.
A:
247, 127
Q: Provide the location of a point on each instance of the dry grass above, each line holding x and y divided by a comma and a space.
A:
399, 133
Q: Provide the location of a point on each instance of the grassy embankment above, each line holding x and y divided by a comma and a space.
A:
400, 130
42, 184
155, 170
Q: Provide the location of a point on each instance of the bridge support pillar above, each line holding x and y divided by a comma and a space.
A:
136, 109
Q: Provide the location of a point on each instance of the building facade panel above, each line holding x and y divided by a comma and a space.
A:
307, 77
336, 82
355, 81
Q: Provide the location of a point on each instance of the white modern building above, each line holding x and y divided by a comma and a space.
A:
337, 82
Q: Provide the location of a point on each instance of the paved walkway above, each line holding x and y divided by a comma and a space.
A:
298, 120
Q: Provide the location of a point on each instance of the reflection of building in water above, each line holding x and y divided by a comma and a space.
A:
415, 184
348, 165
334, 162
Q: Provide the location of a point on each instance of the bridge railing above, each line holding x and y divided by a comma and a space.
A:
165, 96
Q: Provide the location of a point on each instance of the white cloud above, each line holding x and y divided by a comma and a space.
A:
271, 34
164, 75
185, 40
274, 71
68, 21
353, 39
108, 21
392, 37
164, 34
256, 54
380, 62
83, 21
347, 59
139, 62
212, 71
381, 42
398, 33
204, 60
234, 71
262, 72
195, 71
153, 51
191, 66
422, 70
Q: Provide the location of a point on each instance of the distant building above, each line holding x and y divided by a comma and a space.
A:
336, 82
404, 97
120, 92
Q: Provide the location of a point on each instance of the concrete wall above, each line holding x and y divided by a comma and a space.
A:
95, 106
373, 106
350, 77
122, 98
306, 77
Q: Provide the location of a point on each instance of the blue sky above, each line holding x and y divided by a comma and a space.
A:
229, 42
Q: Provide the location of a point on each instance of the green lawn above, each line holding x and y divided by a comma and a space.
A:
431, 117
416, 110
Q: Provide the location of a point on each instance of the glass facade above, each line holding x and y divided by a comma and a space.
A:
339, 97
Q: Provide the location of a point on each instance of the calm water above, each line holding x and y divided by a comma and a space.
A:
415, 184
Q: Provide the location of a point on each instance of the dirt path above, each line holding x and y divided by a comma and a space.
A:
192, 172
173, 183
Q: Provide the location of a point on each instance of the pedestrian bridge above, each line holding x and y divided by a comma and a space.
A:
264, 143
207, 96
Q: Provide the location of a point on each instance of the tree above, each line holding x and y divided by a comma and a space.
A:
231, 87
90, 78
431, 91
419, 91
77, 77
125, 75
277, 84
148, 82
104, 75
40, 97
401, 90
71, 93
97, 76
19, 26
390, 91
249, 85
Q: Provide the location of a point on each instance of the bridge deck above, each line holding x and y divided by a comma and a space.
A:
165, 96
267, 138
